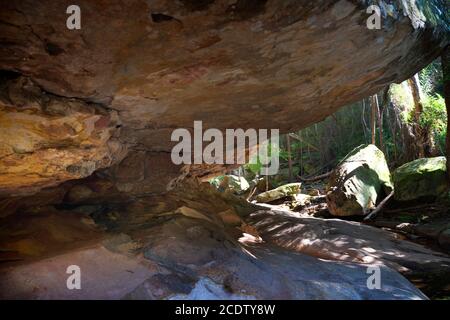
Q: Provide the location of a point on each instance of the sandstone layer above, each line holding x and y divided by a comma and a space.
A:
193, 244
86, 118
160, 65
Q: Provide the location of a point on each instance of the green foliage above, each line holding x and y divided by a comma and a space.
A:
434, 117
436, 13
256, 162
321, 146
403, 100
434, 112
431, 78
236, 184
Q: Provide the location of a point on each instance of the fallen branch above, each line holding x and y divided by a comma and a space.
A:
251, 194
316, 178
380, 207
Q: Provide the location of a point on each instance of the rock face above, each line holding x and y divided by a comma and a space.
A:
196, 242
182, 256
188, 263
358, 181
334, 239
163, 64
47, 139
421, 178
85, 138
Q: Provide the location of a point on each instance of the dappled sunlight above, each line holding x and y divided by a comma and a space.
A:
334, 239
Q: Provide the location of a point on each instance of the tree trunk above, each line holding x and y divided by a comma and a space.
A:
406, 130
418, 108
288, 144
373, 119
380, 123
446, 74
426, 145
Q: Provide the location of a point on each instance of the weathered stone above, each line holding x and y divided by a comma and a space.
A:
212, 265
301, 200
46, 139
334, 239
357, 182
421, 178
287, 190
235, 184
185, 253
431, 230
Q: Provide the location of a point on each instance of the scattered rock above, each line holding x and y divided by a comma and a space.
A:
76, 104
287, 190
301, 200
235, 184
187, 256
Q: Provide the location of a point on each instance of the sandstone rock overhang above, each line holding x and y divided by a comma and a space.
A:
162, 64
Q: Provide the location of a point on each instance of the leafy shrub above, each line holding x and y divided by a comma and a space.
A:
434, 117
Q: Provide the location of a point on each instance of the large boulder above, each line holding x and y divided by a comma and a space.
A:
358, 181
421, 178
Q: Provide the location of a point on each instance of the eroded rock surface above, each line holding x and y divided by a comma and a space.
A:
192, 258
421, 179
46, 139
198, 243
352, 241
100, 103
